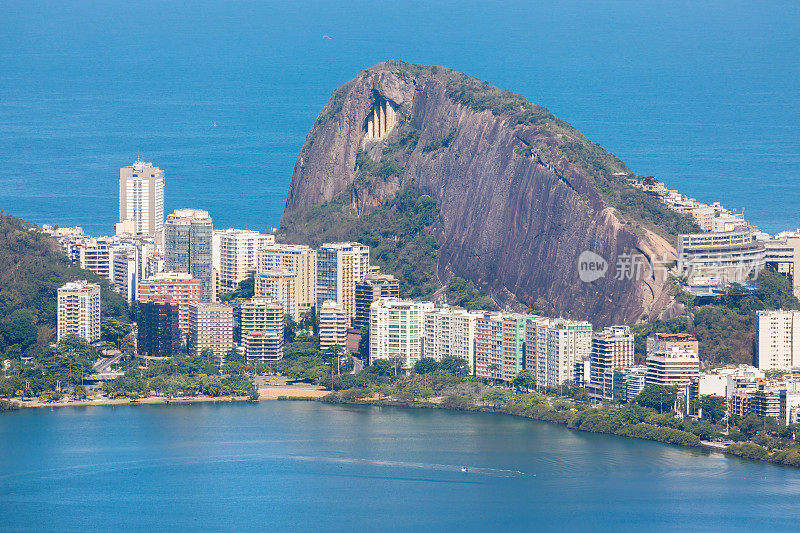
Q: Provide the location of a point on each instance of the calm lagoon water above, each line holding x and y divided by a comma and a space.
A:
308, 466
701, 94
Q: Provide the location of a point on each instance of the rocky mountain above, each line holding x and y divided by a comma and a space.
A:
520, 193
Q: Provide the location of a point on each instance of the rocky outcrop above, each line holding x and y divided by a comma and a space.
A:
521, 193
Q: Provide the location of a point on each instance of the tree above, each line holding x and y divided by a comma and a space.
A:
79, 392
380, 367
289, 329
497, 397
20, 328
713, 408
524, 380
76, 345
113, 330
309, 321
457, 366
426, 365
657, 397
234, 355
363, 344
127, 345
244, 291
493, 369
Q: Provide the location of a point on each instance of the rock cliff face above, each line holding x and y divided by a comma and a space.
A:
521, 194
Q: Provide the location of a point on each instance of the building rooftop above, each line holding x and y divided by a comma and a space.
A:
78, 285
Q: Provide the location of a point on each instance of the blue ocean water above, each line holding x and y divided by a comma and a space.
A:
704, 95
289, 466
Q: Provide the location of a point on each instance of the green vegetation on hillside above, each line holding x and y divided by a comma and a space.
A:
463, 293
398, 233
725, 328
32, 268
445, 142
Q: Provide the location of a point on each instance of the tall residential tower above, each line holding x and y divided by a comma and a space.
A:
187, 247
141, 198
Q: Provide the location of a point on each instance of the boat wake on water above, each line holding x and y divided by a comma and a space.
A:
496, 472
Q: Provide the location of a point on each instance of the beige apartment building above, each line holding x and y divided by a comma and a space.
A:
299, 260
79, 310
279, 285
141, 198
450, 332
210, 327
666, 341
235, 255
554, 346
778, 340
674, 366
333, 323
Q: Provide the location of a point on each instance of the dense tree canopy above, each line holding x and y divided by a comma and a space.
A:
32, 268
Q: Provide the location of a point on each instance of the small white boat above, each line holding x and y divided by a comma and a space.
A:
464, 469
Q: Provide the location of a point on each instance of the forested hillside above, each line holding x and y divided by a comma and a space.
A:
726, 327
32, 268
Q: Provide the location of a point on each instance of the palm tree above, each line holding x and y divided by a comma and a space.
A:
493, 368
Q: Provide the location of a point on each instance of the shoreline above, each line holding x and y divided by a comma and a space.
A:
744, 450
264, 394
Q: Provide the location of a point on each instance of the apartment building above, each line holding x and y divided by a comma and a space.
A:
777, 340
666, 341
396, 330
158, 332
235, 255
279, 285
141, 198
340, 266
173, 287
210, 327
450, 332
333, 324
300, 261
732, 256
261, 329
93, 254
559, 344
765, 403
783, 254
187, 247
611, 349
125, 270
79, 310
372, 288
673, 366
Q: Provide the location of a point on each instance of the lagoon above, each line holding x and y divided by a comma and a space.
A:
311, 466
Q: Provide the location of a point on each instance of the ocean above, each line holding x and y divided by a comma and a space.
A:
308, 466
703, 95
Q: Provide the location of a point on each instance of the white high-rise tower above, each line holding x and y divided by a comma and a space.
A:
141, 198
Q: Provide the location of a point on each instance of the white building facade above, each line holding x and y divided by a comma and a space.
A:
396, 330
778, 340
79, 310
